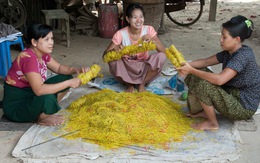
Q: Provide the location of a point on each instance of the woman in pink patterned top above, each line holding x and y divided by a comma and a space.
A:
28, 94
141, 68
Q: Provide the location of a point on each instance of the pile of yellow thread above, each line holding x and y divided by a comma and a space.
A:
113, 120
92, 73
174, 56
129, 50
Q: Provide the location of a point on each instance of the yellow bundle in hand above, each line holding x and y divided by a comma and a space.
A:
92, 73
129, 50
174, 56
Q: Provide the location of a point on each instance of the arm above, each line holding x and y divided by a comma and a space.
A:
159, 45
218, 79
39, 88
202, 63
115, 44
214, 78
152, 36
58, 68
112, 46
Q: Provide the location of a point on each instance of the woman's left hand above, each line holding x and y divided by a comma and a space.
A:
146, 38
82, 70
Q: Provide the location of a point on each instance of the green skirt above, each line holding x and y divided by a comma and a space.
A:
22, 105
225, 100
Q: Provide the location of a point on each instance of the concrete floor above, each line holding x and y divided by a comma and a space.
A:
197, 41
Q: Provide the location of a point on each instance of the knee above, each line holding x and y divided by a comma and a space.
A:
67, 77
59, 78
112, 67
162, 57
112, 63
47, 97
191, 80
49, 104
197, 85
203, 86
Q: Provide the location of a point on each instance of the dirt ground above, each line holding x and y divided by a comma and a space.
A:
197, 41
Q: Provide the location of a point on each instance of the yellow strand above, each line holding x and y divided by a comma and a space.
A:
92, 73
129, 50
174, 56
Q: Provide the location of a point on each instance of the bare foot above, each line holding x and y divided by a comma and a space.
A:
50, 120
196, 115
141, 88
130, 89
205, 125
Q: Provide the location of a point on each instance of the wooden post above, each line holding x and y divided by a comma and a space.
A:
213, 10
162, 29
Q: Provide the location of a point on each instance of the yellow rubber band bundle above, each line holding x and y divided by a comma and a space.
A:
174, 56
92, 73
129, 50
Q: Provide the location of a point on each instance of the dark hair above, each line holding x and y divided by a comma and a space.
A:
131, 7
239, 26
36, 31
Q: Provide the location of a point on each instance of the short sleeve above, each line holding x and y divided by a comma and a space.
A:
151, 31
28, 64
238, 62
117, 38
220, 57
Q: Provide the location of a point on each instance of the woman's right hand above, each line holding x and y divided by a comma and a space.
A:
118, 48
185, 68
74, 83
146, 38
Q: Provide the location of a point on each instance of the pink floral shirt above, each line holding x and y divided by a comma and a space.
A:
122, 37
26, 62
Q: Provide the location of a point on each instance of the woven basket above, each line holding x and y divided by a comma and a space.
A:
153, 9
145, 1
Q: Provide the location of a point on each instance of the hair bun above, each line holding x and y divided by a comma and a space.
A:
239, 26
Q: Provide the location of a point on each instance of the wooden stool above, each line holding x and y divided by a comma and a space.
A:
59, 14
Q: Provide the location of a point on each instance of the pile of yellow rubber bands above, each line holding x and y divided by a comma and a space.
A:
113, 120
